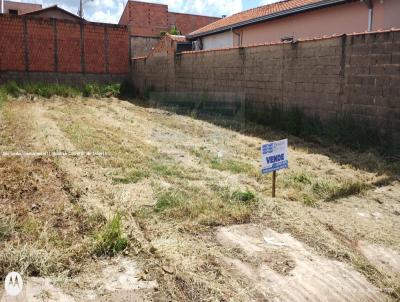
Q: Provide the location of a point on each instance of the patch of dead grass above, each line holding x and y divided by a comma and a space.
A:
43, 232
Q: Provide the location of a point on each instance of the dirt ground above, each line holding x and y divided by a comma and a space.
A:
197, 215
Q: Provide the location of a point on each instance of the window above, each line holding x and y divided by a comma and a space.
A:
13, 12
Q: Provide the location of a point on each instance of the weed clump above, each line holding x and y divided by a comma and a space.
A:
348, 189
131, 177
102, 91
48, 90
245, 196
313, 189
111, 240
3, 97
29, 260
230, 165
169, 199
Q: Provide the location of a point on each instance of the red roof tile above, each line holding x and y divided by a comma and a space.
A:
254, 13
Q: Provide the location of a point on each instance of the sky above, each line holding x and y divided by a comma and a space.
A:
109, 11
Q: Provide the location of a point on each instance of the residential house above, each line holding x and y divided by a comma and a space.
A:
54, 12
298, 19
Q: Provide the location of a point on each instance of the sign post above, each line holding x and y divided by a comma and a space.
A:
274, 184
274, 158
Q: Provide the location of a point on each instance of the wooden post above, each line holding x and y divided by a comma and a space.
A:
273, 184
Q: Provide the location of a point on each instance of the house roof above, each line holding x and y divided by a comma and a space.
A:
262, 13
54, 7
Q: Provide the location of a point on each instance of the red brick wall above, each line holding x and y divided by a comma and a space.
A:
118, 43
57, 45
69, 47
149, 19
145, 19
41, 45
188, 23
11, 44
94, 48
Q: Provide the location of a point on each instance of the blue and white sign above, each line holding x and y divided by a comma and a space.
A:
274, 156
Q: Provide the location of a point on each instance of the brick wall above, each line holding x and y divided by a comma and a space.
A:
187, 23
118, 50
145, 19
357, 74
62, 46
12, 44
150, 19
69, 47
40, 36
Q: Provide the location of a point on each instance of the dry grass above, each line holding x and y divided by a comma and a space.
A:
311, 188
194, 176
43, 231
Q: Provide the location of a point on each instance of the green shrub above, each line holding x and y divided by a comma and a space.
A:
90, 90
11, 88
49, 90
111, 90
101, 90
111, 240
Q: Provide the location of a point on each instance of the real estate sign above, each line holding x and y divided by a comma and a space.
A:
274, 156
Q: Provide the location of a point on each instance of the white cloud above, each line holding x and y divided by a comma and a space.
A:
203, 7
110, 11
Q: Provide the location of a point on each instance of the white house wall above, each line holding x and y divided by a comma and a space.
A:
221, 40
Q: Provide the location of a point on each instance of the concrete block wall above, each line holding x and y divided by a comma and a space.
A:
356, 74
372, 79
32, 45
141, 46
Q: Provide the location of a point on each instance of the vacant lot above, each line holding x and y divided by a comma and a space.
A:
142, 204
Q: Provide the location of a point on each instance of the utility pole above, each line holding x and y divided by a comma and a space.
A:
80, 12
81, 3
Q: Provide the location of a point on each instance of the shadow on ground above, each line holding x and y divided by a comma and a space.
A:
370, 160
